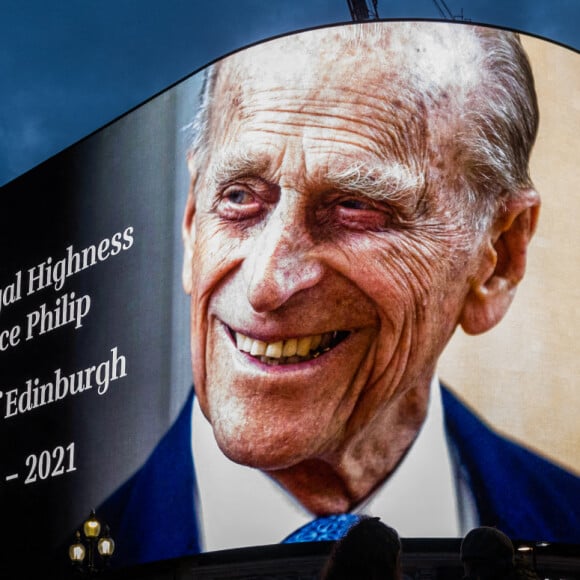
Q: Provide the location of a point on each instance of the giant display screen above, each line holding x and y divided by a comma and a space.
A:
336, 236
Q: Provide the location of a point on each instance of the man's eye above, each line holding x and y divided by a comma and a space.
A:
239, 196
356, 204
238, 203
360, 214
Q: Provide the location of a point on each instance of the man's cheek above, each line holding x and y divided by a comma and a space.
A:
402, 284
210, 264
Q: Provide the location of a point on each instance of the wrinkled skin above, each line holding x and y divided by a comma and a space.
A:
283, 239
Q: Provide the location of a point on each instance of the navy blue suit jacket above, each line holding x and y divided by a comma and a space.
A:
153, 515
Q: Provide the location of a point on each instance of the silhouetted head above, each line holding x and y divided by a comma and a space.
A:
370, 551
487, 553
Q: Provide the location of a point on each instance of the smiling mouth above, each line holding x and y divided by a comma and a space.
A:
290, 351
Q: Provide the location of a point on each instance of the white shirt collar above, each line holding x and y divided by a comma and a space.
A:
423, 498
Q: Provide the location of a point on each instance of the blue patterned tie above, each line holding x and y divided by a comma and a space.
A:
322, 529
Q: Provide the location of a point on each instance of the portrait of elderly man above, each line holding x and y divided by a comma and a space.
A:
357, 193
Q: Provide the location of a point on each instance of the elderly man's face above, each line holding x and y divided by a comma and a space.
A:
327, 261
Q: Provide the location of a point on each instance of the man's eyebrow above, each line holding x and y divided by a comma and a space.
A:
235, 164
393, 182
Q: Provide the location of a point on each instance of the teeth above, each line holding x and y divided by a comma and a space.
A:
247, 346
290, 347
316, 340
258, 348
303, 347
274, 349
293, 350
243, 342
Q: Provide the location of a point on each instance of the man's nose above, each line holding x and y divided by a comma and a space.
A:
282, 263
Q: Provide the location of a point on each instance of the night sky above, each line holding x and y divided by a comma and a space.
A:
71, 66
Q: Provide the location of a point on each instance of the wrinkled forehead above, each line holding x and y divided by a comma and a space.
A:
422, 58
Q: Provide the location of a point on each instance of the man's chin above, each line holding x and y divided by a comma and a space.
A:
275, 455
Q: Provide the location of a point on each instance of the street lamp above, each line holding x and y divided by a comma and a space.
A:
92, 554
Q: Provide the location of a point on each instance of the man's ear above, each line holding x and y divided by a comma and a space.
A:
188, 230
502, 263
